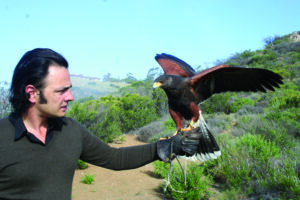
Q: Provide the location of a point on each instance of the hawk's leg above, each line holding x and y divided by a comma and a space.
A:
195, 113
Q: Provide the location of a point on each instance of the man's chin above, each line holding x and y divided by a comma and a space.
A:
60, 114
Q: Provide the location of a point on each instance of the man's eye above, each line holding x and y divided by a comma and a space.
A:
62, 91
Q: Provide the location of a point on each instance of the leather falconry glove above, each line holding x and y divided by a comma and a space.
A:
181, 144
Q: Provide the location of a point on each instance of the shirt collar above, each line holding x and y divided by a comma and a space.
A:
20, 129
18, 123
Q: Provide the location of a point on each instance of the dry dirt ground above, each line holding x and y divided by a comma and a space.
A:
134, 184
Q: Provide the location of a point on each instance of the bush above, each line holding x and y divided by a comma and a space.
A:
152, 132
107, 126
88, 179
81, 164
148, 131
255, 165
258, 147
285, 47
84, 113
196, 186
161, 169
261, 125
263, 59
219, 123
285, 99
239, 102
281, 176
109, 117
287, 119
240, 58
136, 111
217, 103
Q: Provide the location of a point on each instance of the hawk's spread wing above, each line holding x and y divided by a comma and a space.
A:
174, 66
227, 78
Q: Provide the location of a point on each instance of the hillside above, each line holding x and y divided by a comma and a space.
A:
84, 86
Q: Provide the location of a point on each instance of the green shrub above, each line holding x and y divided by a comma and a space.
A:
256, 166
258, 147
83, 112
107, 126
281, 175
81, 164
196, 186
109, 117
292, 57
257, 124
218, 103
287, 119
161, 169
285, 99
232, 194
293, 100
136, 111
240, 58
219, 123
88, 179
284, 47
197, 183
169, 125
226, 102
234, 166
239, 102
264, 58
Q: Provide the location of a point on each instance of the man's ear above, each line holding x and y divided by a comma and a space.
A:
31, 92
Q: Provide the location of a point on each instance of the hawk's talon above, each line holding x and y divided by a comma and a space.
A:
187, 129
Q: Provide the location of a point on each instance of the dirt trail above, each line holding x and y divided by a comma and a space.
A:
116, 185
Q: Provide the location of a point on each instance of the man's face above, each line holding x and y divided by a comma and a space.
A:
56, 93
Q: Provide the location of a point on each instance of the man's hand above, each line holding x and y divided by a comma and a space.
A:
183, 143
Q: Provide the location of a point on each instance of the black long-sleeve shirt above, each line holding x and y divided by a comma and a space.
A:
32, 170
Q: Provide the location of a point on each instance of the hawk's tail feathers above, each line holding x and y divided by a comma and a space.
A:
208, 146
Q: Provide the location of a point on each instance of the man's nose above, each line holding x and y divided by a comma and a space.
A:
69, 96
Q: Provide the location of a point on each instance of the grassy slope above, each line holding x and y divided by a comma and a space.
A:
83, 87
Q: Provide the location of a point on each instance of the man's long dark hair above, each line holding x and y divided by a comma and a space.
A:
32, 69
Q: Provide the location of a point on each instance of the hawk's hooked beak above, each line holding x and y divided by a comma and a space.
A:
156, 84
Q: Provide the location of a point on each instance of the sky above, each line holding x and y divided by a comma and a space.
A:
119, 37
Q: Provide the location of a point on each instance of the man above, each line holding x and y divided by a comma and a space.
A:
39, 147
